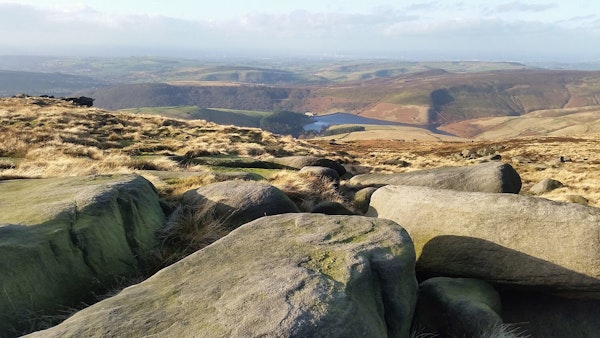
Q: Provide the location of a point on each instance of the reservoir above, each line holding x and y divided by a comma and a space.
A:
324, 121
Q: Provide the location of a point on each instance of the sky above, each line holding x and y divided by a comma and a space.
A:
495, 30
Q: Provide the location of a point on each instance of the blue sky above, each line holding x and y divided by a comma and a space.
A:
412, 30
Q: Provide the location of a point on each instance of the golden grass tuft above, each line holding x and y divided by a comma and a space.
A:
175, 188
307, 190
189, 229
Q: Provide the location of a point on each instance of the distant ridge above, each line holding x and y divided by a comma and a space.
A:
38, 83
431, 98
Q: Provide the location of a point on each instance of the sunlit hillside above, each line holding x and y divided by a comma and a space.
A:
44, 137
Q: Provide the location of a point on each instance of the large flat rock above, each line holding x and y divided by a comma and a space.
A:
486, 177
502, 238
300, 275
63, 239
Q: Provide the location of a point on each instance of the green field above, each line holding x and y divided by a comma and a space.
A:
242, 118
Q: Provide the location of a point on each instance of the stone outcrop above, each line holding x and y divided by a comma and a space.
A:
495, 177
299, 162
545, 185
331, 208
502, 238
239, 202
457, 307
64, 239
362, 198
300, 275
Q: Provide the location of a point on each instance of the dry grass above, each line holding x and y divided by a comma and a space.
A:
42, 137
190, 229
306, 190
534, 158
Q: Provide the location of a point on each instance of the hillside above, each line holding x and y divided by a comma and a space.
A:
242, 97
38, 83
432, 98
260, 71
439, 97
42, 137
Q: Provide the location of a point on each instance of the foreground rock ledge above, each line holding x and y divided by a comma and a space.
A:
303, 275
63, 239
502, 238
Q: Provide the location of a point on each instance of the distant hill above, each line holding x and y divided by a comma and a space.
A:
438, 97
242, 97
219, 116
36, 83
257, 71
431, 98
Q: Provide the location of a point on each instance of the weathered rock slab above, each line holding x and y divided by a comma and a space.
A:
239, 202
545, 185
503, 238
495, 177
299, 162
300, 275
63, 239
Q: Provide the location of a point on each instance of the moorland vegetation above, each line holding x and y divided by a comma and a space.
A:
543, 123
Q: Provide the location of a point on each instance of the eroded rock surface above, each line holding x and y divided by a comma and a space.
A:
504, 238
495, 177
63, 239
301, 275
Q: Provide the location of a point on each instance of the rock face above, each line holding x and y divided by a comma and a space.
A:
545, 185
457, 307
300, 275
362, 198
63, 239
502, 238
485, 177
299, 162
238, 202
331, 208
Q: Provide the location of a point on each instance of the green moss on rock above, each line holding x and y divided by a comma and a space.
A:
64, 239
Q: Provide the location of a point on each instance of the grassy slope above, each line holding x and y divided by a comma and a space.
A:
382, 89
241, 118
46, 137
551, 122
433, 97
465, 95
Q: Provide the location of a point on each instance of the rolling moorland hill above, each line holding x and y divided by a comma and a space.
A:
433, 98
58, 84
464, 99
298, 71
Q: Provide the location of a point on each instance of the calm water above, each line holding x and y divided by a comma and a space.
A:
324, 121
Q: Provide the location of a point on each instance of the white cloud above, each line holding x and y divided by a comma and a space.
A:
387, 30
517, 6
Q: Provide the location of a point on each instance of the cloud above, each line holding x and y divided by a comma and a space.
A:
389, 31
420, 6
517, 6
